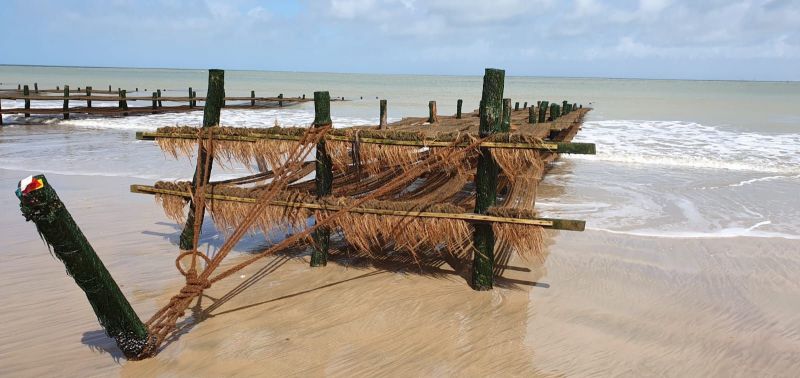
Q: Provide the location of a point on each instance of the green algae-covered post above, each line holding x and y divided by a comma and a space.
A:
26, 93
383, 119
531, 115
564, 106
506, 124
125, 101
543, 111
516, 105
486, 179
40, 204
324, 177
459, 104
211, 112
432, 116
66, 102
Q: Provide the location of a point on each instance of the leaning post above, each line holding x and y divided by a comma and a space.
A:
383, 121
432, 113
26, 93
323, 178
66, 102
491, 121
211, 112
40, 204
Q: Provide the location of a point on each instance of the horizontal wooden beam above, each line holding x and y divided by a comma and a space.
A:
556, 224
112, 98
559, 147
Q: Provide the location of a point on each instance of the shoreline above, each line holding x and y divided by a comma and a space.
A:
601, 304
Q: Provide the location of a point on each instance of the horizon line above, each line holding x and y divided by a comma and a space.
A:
398, 74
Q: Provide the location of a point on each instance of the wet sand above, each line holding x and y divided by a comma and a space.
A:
602, 304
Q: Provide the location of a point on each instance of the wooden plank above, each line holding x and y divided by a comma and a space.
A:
551, 223
559, 147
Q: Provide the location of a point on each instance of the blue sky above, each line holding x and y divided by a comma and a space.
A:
743, 40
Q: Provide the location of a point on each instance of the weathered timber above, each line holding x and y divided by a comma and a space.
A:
191, 101
459, 103
433, 117
551, 223
383, 116
36, 88
486, 180
40, 204
155, 103
158, 92
280, 102
124, 102
560, 147
26, 93
89, 96
505, 126
324, 177
516, 105
542, 111
66, 101
531, 115
211, 114
252, 98
525, 106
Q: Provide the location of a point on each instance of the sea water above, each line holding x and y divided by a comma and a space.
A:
674, 158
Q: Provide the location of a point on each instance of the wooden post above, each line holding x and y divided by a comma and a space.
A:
459, 104
486, 179
58, 88
432, 116
40, 204
109, 88
36, 88
280, 103
304, 96
191, 102
531, 115
124, 102
543, 111
323, 178
525, 106
506, 125
516, 105
211, 112
383, 122
155, 103
26, 93
564, 106
18, 88
1, 113
158, 92
194, 97
89, 94
66, 101
252, 96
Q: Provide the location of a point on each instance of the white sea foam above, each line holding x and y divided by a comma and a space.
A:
753, 181
691, 145
730, 232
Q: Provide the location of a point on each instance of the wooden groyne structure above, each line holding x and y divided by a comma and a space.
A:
84, 100
458, 188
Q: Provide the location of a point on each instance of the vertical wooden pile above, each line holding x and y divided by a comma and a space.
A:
324, 176
491, 112
211, 112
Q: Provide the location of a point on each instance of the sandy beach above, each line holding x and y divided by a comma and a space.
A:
602, 304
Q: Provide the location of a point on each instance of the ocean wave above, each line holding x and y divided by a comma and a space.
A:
690, 145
